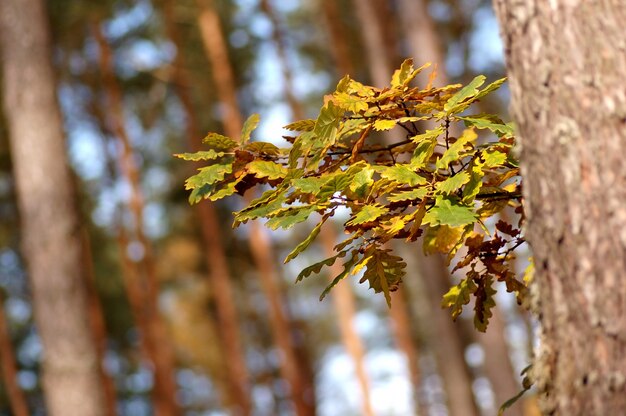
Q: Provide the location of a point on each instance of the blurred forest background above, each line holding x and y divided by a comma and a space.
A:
192, 317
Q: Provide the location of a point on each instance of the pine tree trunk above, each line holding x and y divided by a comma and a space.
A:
566, 62
97, 324
153, 326
51, 239
343, 298
17, 400
219, 274
216, 49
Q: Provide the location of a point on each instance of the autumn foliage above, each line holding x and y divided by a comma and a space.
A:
392, 158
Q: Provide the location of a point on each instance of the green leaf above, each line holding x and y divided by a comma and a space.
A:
289, 217
469, 91
382, 125
337, 183
362, 181
248, 127
475, 183
352, 103
493, 158
490, 122
317, 267
402, 174
458, 296
453, 153
203, 155
347, 266
306, 243
271, 205
219, 142
328, 122
266, 169
208, 175
449, 212
310, 185
368, 213
301, 125
489, 88
428, 135
413, 194
453, 183
422, 153
263, 148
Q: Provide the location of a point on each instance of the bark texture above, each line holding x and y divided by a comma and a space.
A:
51, 233
566, 61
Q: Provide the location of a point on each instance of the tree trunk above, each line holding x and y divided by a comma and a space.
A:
216, 49
51, 239
97, 324
343, 298
219, 274
567, 63
153, 327
17, 400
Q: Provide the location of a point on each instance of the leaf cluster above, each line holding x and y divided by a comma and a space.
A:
406, 161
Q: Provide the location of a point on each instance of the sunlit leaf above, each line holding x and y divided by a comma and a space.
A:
453, 183
403, 175
248, 127
267, 169
202, 155
458, 296
453, 153
382, 125
219, 142
368, 213
208, 175
301, 125
449, 212
470, 90
304, 244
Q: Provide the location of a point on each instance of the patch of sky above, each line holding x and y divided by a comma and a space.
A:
440, 11
86, 153
129, 19
30, 352
18, 310
486, 51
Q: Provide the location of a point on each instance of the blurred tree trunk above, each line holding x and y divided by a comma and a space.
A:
452, 365
98, 326
219, 274
51, 239
264, 258
424, 44
566, 63
343, 298
444, 338
17, 400
153, 328
338, 38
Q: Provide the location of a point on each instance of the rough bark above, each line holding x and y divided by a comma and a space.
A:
153, 327
566, 62
51, 240
17, 400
